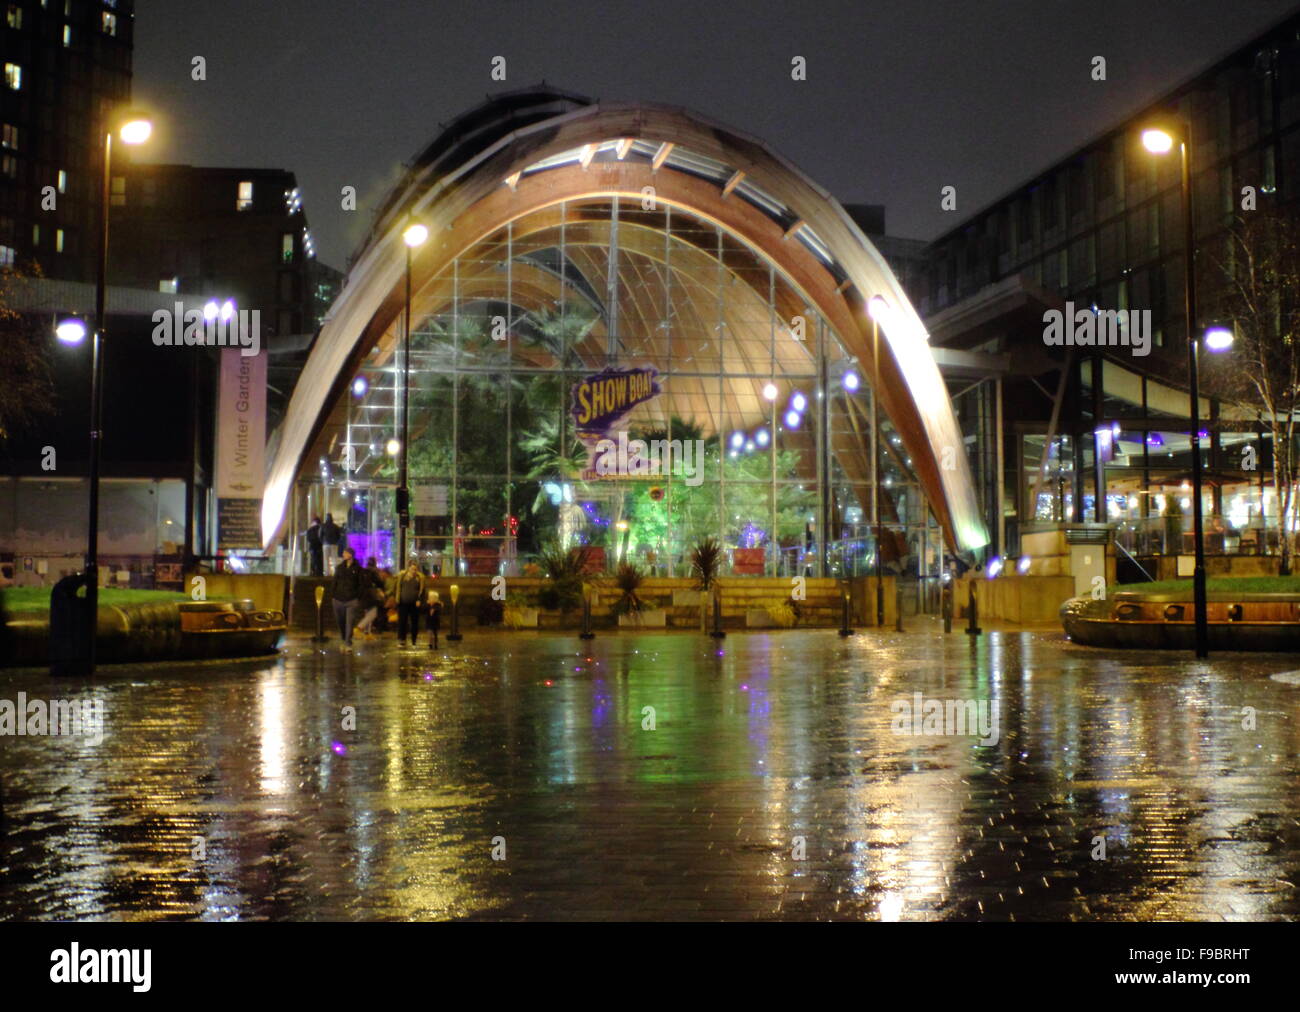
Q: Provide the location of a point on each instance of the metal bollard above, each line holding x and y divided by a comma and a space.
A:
945, 606
717, 632
320, 623
586, 633
846, 614
973, 626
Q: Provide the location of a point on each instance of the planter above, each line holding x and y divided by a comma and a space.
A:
758, 618
646, 618
520, 618
687, 598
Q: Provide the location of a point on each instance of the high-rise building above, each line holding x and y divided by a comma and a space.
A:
67, 64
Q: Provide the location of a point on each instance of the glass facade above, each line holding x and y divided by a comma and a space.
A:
624, 375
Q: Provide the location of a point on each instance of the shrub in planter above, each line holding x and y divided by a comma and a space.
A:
517, 617
628, 578
565, 569
706, 560
490, 611
782, 615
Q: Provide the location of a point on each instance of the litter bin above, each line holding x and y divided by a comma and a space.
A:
71, 626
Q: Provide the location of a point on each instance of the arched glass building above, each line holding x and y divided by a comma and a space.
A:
631, 328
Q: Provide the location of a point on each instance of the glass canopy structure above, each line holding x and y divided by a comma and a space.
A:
632, 330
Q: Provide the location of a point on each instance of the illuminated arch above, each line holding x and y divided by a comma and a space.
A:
519, 155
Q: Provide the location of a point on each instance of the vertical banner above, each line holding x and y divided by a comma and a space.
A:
239, 465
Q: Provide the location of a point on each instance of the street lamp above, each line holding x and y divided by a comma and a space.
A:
878, 310
132, 128
1161, 139
413, 235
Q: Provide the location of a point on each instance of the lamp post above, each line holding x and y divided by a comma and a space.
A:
132, 128
877, 308
1160, 140
414, 235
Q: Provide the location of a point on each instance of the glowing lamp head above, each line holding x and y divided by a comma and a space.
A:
415, 235
210, 310
392, 446
1022, 566
135, 130
792, 419
1218, 339
737, 440
70, 331
994, 567
227, 310
851, 381
454, 592
1157, 141
878, 309
360, 386
769, 392
798, 402
761, 437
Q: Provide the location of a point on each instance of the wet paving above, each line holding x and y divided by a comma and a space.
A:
793, 775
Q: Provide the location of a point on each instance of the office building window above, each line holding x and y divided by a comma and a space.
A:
36, 235
67, 36
244, 200
58, 240
168, 285
286, 247
9, 137
15, 17
9, 166
62, 183
109, 23
13, 76
6, 256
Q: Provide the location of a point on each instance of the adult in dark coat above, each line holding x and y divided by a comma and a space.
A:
315, 549
331, 535
350, 583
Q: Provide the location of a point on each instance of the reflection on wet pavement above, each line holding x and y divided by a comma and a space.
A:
1121, 786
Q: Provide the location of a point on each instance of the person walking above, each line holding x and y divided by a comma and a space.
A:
372, 597
315, 550
347, 589
434, 619
409, 593
330, 535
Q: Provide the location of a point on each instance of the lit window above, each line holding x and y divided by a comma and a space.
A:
9, 137
6, 256
244, 202
286, 247
58, 240
15, 16
63, 181
110, 23
36, 235
9, 166
13, 76
118, 196
168, 285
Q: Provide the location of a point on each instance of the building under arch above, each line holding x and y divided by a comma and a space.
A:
603, 269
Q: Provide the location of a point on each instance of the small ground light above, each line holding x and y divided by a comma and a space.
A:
70, 331
1022, 566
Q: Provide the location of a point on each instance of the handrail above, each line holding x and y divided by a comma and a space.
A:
1133, 559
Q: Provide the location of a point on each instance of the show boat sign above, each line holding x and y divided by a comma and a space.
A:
605, 398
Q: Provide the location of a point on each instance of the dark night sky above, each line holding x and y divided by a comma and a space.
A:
902, 96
